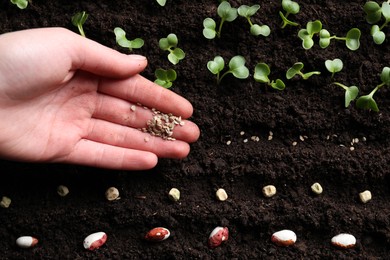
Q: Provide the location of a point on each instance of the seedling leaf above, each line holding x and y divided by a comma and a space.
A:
324, 38
120, 37
278, 84
260, 30
247, 11
294, 70
352, 39
226, 12
161, 2
367, 102
209, 31
334, 66
21, 4
78, 20
237, 67
350, 93
386, 10
377, 35
217, 65
165, 77
290, 7
385, 76
373, 12
261, 73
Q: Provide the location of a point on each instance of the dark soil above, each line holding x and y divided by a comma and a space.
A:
313, 108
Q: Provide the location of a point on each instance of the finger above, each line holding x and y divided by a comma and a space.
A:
98, 59
121, 112
100, 155
138, 89
117, 135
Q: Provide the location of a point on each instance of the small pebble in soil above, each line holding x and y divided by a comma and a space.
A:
343, 240
316, 188
26, 241
269, 191
365, 196
157, 234
284, 237
218, 236
95, 240
5, 202
112, 193
62, 190
221, 195
174, 194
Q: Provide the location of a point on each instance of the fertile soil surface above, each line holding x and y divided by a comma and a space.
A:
309, 112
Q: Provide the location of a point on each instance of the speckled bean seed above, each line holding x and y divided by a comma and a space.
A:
218, 236
95, 240
157, 234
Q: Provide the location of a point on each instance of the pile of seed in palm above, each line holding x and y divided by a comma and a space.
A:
162, 125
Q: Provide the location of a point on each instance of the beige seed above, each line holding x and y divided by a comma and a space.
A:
294, 143
5, 202
221, 195
316, 188
112, 193
228, 142
365, 196
301, 138
242, 133
269, 191
174, 194
270, 137
62, 190
146, 139
352, 148
132, 108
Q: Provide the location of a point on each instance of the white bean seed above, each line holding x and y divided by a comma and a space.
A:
26, 241
221, 195
5, 202
316, 188
365, 196
112, 193
174, 194
62, 190
269, 191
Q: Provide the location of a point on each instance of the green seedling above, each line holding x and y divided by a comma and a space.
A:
247, 12
367, 101
290, 7
334, 66
374, 14
262, 72
306, 35
169, 44
227, 14
352, 40
236, 67
78, 20
21, 4
120, 37
161, 2
350, 92
165, 78
296, 70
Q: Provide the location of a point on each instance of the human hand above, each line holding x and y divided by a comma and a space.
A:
65, 98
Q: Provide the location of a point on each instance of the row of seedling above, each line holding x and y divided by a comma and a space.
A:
237, 68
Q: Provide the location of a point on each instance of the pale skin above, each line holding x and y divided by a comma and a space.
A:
67, 99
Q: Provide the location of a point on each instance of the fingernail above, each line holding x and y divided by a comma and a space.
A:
137, 57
